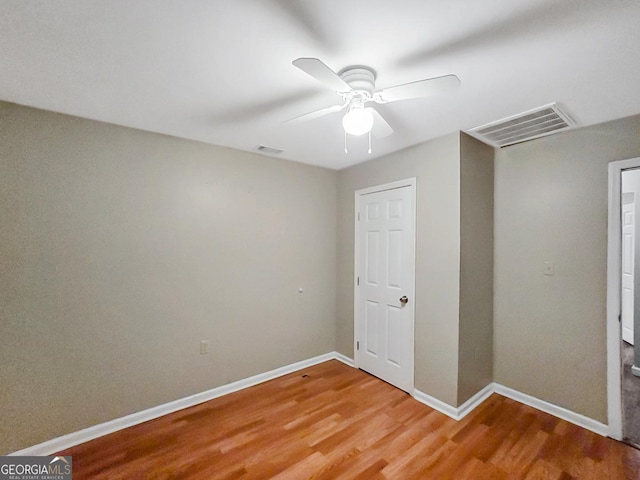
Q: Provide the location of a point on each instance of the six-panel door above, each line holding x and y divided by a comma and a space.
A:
386, 249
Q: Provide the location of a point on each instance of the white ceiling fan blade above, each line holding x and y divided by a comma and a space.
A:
322, 73
315, 114
421, 88
380, 128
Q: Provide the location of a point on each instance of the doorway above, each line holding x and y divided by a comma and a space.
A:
623, 388
385, 282
630, 181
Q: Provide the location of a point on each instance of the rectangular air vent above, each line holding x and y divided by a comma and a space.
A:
268, 150
524, 126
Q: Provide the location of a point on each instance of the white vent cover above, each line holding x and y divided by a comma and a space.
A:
524, 126
268, 150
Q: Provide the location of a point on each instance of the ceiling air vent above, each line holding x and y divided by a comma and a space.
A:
524, 126
268, 150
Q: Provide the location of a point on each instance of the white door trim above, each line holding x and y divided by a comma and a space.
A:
614, 292
409, 182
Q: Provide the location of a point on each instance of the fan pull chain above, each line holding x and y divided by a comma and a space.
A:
346, 150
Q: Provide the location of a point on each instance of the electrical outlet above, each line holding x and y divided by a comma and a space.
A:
204, 347
549, 268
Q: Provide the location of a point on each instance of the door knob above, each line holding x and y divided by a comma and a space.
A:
404, 300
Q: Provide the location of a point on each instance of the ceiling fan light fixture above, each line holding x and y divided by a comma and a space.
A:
357, 121
357, 87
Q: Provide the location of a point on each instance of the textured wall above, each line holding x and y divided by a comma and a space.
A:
475, 349
120, 250
551, 205
436, 165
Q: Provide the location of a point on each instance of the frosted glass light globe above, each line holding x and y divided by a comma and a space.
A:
357, 121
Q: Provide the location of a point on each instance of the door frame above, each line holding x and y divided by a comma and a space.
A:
614, 295
408, 182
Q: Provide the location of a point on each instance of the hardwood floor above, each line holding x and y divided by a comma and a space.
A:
331, 421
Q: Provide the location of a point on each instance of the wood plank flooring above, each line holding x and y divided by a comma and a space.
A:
331, 422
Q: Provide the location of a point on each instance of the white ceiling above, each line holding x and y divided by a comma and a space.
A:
219, 71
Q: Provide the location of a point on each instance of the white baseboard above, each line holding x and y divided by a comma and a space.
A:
463, 410
555, 410
457, 413
344, 359
470, 405
90, 433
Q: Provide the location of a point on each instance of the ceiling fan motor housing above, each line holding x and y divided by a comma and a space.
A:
360, 79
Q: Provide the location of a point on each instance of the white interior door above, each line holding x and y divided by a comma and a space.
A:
385, 277
628, 259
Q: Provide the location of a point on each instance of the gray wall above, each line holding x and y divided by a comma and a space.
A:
120, 250
436, 165
475, 349
551, 205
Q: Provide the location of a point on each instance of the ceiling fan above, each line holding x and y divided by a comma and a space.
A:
356, 86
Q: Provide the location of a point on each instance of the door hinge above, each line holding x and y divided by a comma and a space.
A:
357, 345
358, 281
